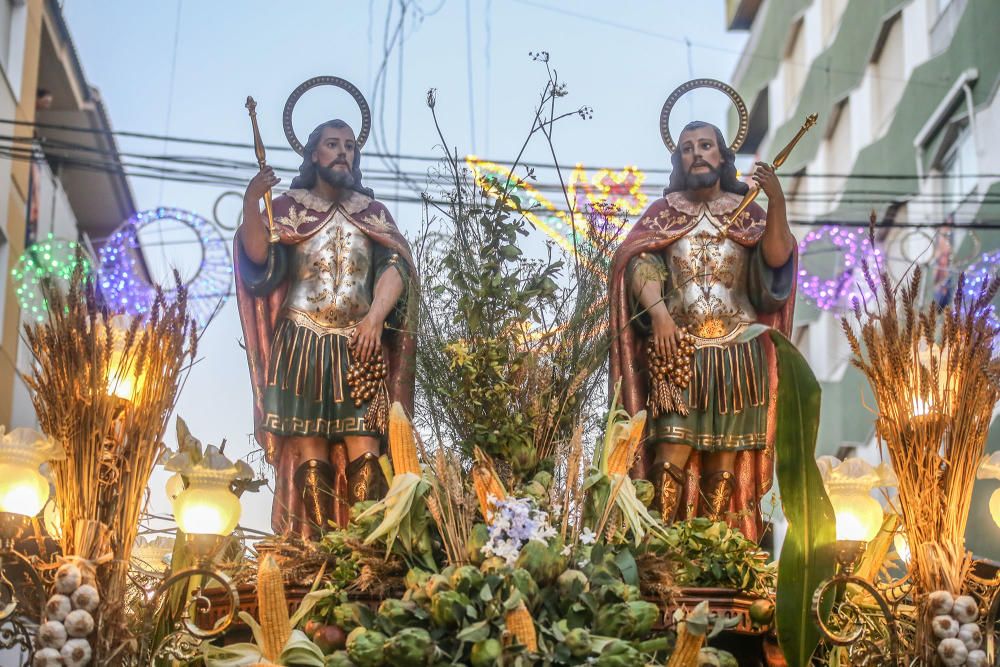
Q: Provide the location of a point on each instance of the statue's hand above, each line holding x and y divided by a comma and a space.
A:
366, 338
767, 180
666, 334
260, 184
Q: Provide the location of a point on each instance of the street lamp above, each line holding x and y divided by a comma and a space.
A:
124, 380
23, 489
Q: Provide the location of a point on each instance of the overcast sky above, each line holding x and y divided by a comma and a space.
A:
184, 68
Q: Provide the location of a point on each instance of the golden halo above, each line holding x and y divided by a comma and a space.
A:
344, 84
687, 87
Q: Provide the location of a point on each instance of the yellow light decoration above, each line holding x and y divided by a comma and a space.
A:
995, 507
933, 401
23, 488
849, 485
989, 468
123, 381
207, 506
902, 545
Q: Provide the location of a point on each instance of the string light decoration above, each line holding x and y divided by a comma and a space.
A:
51, 259
849, 247
124, 286
977, 274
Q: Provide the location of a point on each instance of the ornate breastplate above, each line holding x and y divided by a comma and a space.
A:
329, 276
709, 276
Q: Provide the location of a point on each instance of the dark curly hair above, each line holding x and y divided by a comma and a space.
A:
307, 171
727, 170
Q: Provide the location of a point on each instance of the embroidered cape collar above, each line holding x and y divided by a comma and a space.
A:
718, 206
356, 203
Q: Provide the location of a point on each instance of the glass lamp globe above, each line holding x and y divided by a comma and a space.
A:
23, 488
123, 381
207, 506
995, 507
859, 516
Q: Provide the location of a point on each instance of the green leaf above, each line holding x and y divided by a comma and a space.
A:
475, 632
807, 556
626, 565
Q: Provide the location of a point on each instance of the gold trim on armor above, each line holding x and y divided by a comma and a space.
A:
713, 441
304, 320
273, 422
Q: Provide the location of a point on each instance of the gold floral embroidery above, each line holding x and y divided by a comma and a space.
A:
296, 218
664, 221
378, 221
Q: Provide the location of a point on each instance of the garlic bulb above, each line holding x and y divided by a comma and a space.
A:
944, 626
68, 578
940, 602
952, 652
76, 653
86, 598
971, 636
965, 609
79, 623
46, 657
52, 634
57, 607
976, 658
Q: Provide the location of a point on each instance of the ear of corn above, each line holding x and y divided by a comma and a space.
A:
521, 627
624, 448
686, 649
486, 483
402, 443
275, 625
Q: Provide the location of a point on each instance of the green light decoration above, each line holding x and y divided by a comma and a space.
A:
52, 259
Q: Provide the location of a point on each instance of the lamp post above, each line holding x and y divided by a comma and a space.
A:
206, 511
23, 493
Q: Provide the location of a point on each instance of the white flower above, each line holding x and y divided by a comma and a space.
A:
583, 563
587, 536
566, 550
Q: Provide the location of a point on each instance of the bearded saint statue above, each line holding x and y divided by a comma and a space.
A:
336, 289
686, 273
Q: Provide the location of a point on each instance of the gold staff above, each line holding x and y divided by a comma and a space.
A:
258, 148
778, 161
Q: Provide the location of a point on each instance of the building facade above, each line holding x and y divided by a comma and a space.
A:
49, 117
906, 92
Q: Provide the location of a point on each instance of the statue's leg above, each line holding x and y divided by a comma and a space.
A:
313, 485
717, 483
365, 480
668, 477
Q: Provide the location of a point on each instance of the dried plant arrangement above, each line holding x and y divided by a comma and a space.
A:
932, 370
104, 386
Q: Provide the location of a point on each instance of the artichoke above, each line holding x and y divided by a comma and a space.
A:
486, 653
448, 608
365, 647
578, 642
542, 561
467, 579
339, 659
644, 491
571, 583
536, 491
350, 615
526, 585
396, 614
416, 578
619, 654
544, 478
478, 537
622, 592
709, 655
410, 647
645, 615
614, 620
436, 584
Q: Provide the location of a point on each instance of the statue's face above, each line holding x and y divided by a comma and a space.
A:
335, 151
700, 154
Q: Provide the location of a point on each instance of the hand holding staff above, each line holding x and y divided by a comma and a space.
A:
258, 147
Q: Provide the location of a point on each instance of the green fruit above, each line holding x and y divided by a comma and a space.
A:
410, 647
350, 615
762, 612
478, 538
365, 647
492, 565
544, 478
329, 638
541, 560
578, 642
526, 585
448, 608
571, 583
467, 579
644, 491
339, 659
486, 653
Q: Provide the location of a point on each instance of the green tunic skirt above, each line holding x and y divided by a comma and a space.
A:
306, 392
727, 399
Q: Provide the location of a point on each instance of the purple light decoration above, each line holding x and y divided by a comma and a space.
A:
853, 245
977, 274
126, 290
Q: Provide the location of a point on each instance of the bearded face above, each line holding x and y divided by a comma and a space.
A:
335, 176
334, 155
701, 158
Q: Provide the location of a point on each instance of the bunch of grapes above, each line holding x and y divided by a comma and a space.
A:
364, 379
676, 368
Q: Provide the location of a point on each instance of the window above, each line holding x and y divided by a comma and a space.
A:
795, 67
958, 168
6, 32
839, 155
833, 10
888, 72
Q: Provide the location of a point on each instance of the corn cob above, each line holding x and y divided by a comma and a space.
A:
275, 625
487, 484
686, 649
521, 627
402, 443
623, 450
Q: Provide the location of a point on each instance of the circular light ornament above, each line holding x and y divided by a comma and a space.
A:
122, 276
845, 246
52, 259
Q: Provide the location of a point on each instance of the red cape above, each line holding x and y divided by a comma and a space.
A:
660, 226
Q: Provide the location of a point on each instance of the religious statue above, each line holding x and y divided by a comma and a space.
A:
692, 277
326, 294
